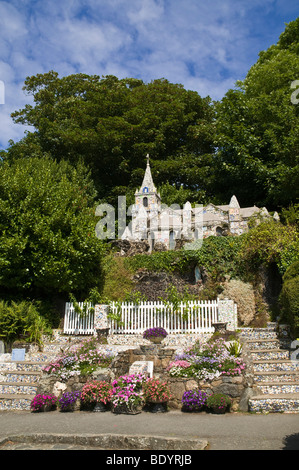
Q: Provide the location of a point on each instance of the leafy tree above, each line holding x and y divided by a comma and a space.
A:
112, 124
47, 229
258, 130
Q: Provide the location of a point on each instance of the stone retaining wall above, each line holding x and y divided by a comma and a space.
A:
236, 387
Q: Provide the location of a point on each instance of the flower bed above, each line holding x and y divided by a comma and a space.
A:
206, 361
80, 360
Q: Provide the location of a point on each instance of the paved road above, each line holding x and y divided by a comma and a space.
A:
233, 431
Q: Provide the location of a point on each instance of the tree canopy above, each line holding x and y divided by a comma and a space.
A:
258, 129
112, 124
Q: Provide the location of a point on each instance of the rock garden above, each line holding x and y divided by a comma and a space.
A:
90, 376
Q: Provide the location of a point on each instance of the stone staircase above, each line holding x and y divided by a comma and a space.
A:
275, 376
19, 379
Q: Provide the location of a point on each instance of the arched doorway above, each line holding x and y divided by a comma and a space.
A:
171, 240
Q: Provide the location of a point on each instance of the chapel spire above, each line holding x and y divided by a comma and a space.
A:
148, 182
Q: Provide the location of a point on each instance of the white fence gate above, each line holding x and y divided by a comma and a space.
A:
189, 317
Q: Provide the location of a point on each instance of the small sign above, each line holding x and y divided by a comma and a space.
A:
142, 367
18, 354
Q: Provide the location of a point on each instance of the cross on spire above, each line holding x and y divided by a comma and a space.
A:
147, 180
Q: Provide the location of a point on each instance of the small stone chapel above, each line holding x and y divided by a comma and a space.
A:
156, 223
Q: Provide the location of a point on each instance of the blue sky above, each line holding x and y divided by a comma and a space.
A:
204, 45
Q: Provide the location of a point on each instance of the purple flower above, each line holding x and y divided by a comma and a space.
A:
193, 400
67, 399
154, 332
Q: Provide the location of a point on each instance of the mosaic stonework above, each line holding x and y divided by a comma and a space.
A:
227, 313
155, 223
100, 317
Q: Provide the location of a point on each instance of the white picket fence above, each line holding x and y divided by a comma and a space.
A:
75, 324
190, 317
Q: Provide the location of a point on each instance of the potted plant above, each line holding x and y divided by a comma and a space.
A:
126, 400
96, 395
42, 402
155, 335
218, 403
135, 381
68, 401
127, 394
193, 400
156, 394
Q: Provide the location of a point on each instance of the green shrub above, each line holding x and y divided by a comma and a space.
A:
291, 272
289, 302
270, 242
21, 320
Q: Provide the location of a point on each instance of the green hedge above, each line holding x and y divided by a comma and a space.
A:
219, 255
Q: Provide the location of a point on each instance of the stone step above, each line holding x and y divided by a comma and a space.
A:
26, 366
274, 365
252, 344
9, 402
258, 333
56, 348
45, 358
263, 354
19, 377
286, 403
276, 376
26, 388
274, 388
